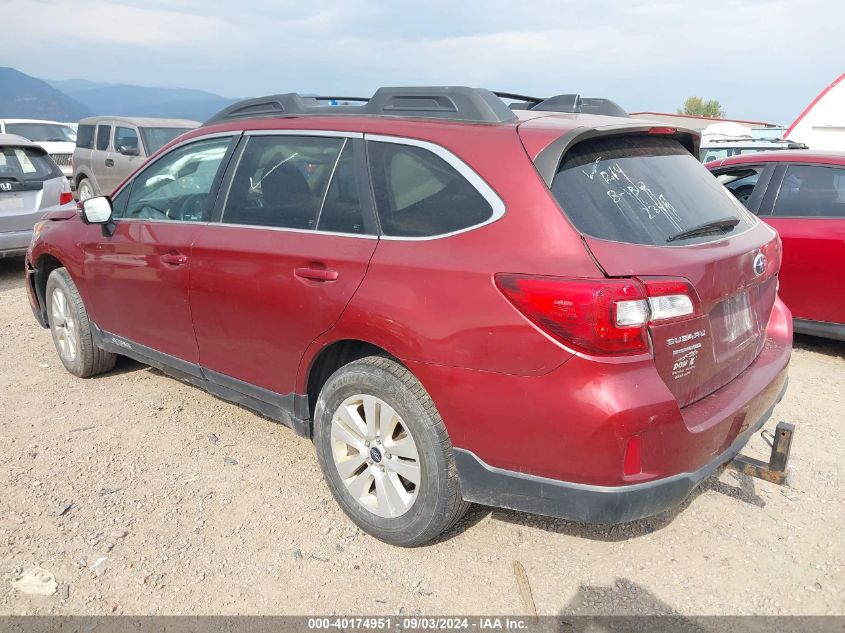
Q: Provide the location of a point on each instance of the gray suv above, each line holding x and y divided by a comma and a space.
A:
109, 148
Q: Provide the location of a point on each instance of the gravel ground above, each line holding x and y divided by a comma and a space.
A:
143, 495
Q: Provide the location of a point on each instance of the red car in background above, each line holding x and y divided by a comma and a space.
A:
802, 195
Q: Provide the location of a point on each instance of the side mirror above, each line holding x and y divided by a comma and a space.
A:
96, 210
128, 150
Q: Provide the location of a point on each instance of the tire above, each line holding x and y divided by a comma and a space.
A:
84, 189
372, 492
71, 329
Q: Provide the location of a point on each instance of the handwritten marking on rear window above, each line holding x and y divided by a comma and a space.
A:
624, 192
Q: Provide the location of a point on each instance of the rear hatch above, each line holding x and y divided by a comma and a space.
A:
24, 170
648, 210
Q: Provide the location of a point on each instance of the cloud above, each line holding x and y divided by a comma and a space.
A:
761, 58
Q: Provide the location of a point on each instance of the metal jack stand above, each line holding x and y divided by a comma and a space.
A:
775, 470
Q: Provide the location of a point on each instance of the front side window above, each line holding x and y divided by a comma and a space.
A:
644, 190
177, 186
418, 194
812, 191
125, 138
103, 136
281, 181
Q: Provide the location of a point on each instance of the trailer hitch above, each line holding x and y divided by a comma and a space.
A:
775, 470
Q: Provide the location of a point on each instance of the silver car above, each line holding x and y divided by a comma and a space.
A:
30, 183
109, 148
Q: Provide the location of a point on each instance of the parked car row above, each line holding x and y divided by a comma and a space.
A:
801, 194
58, 139
457, 301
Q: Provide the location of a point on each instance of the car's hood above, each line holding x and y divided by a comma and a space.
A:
61, 212
57, 147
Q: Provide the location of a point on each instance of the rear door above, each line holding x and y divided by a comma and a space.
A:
294, 240
637, 201
807, 208
102, 163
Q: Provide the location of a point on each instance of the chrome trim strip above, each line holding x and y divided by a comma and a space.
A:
288, 132
486, 191
261, 227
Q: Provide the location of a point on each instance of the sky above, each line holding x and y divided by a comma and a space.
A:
762, 59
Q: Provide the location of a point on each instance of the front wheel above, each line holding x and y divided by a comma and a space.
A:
385, 453
84, 189
71, 328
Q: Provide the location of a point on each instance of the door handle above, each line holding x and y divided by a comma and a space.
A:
109, 162
174, 259
316, 274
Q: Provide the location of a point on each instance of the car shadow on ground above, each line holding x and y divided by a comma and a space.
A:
743, 491
625, 598
826, 346
11, 273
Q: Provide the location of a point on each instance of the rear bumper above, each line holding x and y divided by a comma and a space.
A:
14, 243
492, 486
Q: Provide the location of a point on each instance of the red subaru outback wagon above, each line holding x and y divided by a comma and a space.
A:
459, 301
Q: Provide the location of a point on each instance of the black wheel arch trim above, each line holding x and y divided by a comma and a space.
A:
290, 409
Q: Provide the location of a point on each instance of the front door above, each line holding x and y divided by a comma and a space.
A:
295, 239
138, 277
809, 214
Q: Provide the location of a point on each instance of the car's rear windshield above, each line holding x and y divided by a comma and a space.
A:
42, 132
26, 164
642, 190
157, 137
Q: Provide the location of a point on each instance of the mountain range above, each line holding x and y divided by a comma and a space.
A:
23, 96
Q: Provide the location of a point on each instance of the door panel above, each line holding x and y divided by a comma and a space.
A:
139, 275
254, 313
135, 293
809, 214
812, 281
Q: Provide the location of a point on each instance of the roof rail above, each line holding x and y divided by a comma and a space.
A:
452, 103
571, 103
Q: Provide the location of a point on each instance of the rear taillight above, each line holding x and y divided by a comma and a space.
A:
66, 194
599, 316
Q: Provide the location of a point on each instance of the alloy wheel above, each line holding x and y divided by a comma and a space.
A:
64, 325
375, 455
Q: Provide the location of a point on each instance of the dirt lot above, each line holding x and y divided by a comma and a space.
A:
184, 504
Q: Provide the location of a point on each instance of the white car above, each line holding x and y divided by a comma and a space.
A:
58, 139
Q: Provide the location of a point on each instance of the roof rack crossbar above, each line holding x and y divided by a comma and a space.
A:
452, 103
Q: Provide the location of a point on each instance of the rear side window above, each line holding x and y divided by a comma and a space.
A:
741, 181
418, 194
642, 190
103, 136
26, 164
281, 181
812, 191
85, 137
125, 137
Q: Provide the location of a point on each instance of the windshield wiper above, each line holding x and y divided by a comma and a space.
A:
724, 225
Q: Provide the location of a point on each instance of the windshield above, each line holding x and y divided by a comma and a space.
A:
157, 137
42, 132
642, 190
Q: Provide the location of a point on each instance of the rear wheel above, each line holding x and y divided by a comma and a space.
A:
385, 453
71, 328
84, 189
